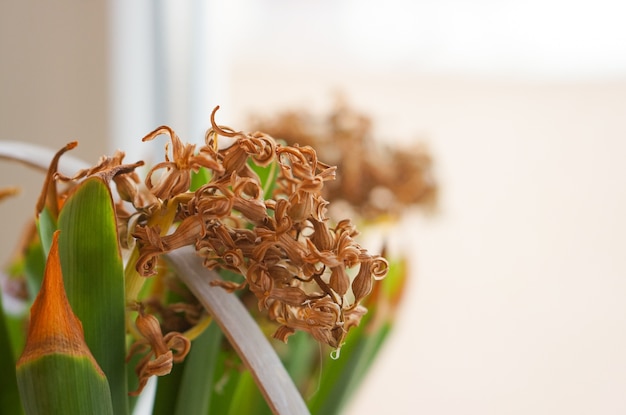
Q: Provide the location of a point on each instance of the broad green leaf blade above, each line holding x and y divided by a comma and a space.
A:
64, 385
194, 396
242, 331
225, 381
94, 279
9, 397
301, 358
188, 388
247, 399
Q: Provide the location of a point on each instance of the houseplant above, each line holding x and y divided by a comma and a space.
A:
146, 274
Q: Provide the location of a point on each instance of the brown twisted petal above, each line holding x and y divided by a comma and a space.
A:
152, 244
294, 251
292, 296
321, 312
322, 238
149, 327
206, 157
259, 279
282, 220
319, 209
265, 149
160, 366
362, 284
266, 250
176, 178
150, 236
233, 259
235, 159
339, 280
380, 268
171, 183
179, 344
224, 131
346, 226
212, 201
128, 189
261, 285
319, 319
327, 258
348, 251
281, 274
253, 209
353, 316
293, 163
248, 187
187, 233
229, 285
283, 332
302, 205
180, 152
146, 263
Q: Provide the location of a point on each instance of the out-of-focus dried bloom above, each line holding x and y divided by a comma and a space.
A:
375, 179
161, 351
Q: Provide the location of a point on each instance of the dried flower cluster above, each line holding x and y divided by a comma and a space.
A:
374, 180
305, 273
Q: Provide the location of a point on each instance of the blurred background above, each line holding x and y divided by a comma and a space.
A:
516, 299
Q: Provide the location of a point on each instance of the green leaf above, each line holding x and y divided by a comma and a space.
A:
46, 225
34, 264
227, 374
188, 389
247, 399
267, 175
194, 395
94, 279
64, 385
9, 397
202, 177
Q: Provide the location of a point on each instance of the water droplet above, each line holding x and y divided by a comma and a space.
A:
335, 353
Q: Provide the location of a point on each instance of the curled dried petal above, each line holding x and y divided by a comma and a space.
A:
339, 280
160, 357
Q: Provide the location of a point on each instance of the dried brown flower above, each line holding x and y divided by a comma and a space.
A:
306, 274
375, 180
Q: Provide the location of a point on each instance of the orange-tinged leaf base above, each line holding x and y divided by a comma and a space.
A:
54, 328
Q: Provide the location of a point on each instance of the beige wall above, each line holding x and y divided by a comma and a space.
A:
53, 89
516, 300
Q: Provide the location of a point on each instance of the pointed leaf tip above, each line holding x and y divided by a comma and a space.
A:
53, 326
